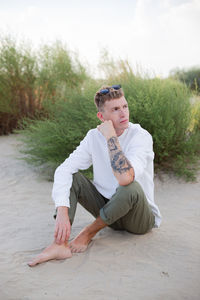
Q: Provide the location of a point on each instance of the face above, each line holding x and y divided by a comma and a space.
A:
117, 111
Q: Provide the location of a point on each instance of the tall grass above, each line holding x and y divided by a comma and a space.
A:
17, 78
51, 92
49, 141
28, 78
161, 106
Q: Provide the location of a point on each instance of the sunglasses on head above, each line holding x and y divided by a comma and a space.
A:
106, 91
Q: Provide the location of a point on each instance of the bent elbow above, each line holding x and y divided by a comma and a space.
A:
127, 181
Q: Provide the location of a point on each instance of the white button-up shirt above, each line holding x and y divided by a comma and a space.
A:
137, 146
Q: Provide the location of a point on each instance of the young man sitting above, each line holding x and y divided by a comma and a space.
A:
121, 195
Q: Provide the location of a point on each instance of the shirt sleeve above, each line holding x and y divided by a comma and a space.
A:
140, 153
79, 159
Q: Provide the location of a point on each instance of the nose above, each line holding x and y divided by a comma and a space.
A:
122, 112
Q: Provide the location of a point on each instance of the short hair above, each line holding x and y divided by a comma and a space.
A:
100, 98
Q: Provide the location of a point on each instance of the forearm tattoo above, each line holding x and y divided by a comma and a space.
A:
119, 162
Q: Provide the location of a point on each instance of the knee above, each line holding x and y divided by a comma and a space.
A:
76, 178
132, 188
76, 175
76, 181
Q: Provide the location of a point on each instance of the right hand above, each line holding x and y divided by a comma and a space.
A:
107, 129
63, 225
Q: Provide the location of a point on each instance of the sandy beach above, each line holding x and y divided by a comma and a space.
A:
163, 264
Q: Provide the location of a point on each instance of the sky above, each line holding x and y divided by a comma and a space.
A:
157, 35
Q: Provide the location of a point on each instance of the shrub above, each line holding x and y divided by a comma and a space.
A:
17, 78
195, 125
59, 71
161, 106
190, 77
50, 141
27, 79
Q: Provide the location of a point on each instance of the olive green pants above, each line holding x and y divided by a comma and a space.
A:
128, 208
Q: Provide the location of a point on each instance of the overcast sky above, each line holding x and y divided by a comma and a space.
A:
159, 35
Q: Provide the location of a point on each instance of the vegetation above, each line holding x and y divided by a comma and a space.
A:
162, 106
53, 95
190, 77
27, 79
51, 140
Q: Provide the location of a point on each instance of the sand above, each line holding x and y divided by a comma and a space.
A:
163, 264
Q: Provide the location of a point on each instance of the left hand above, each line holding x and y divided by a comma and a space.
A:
63, 226
107, 129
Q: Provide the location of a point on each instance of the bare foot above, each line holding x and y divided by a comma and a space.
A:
81, 242
54, 251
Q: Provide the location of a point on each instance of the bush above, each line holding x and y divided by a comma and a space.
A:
190, 77
58, 71
195, 125
161, 106
17, 78
27, 79
50, 141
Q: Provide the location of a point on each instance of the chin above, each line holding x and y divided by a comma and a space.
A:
125, 125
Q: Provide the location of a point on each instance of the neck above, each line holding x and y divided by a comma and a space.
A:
119, 132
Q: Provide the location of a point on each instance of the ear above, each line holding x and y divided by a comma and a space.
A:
100, 116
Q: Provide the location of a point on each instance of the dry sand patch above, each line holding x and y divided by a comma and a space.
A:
163, 264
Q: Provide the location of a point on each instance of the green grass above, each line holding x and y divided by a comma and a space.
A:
160, 106
28, 78
49, 95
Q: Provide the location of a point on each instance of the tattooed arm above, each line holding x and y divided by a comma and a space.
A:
121, 167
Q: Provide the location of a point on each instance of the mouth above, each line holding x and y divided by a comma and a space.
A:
124, 121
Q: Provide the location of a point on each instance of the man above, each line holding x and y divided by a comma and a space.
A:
122, 193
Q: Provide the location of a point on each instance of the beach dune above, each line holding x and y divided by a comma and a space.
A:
163, 264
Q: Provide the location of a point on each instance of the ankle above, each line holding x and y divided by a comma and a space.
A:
87, 231
65, 244
91, 230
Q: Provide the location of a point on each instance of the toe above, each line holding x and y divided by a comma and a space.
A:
39, 259
32, 263
74, 250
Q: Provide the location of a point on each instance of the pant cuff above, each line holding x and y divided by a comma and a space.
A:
104, 218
